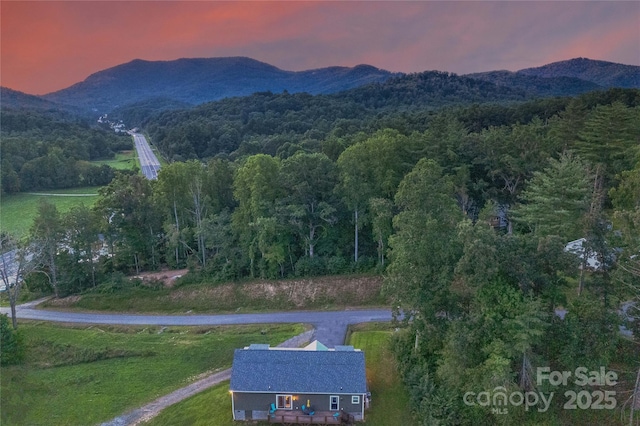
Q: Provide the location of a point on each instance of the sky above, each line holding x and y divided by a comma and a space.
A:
49, 45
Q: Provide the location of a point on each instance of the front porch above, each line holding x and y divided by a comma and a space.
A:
298, 417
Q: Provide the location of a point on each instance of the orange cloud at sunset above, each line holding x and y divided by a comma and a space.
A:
47, 46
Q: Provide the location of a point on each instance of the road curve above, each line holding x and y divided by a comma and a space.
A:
331, 326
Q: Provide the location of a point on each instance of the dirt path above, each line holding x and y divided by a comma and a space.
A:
152, 409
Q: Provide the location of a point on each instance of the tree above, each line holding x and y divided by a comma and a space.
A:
610, 137
309, 181
170, 192
556, 199
381, 220
626, 202
424, 246
511, 155
18, 259
82, 228
47, 231
372, 168
127, 204
256, 188
11, 348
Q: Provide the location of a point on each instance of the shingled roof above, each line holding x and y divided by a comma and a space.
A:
269, 370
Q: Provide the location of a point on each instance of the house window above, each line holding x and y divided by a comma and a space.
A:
283, 402
334, 402
355, 399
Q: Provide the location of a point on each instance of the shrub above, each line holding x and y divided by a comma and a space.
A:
337, 265
11, 348
310, 266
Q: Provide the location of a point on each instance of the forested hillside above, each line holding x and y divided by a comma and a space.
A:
197, 80
49, 149
269, 123
603, 73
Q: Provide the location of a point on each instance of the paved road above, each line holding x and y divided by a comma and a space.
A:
148, 160
331, 327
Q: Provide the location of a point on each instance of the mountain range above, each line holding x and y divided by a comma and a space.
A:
198, 80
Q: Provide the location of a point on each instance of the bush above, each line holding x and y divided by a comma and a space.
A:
310, 267
337, 265
11, 348
364, 264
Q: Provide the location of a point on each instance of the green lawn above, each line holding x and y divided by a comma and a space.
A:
389, 406
211, 407
389, 397
84, 375
18, 211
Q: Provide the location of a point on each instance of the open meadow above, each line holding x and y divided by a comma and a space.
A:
124, 160
83, 375
17, 211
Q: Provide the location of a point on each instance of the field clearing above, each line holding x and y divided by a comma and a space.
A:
124, 160
17, 211
85, 375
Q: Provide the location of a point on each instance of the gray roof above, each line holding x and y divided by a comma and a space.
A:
298, 371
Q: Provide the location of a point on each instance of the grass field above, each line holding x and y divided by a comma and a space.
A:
75, 375
124, 160
18, 211
389, 407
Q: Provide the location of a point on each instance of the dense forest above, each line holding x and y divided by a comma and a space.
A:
49, 149
465, 210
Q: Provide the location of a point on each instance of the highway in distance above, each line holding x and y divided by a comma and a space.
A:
148, 160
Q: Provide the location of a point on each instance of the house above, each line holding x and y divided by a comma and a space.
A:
314, 384
580, 249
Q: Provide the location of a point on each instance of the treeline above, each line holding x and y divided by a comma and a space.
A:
268, 216
51, 149
281, 124
277, 124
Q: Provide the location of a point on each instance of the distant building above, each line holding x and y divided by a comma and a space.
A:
578, 248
